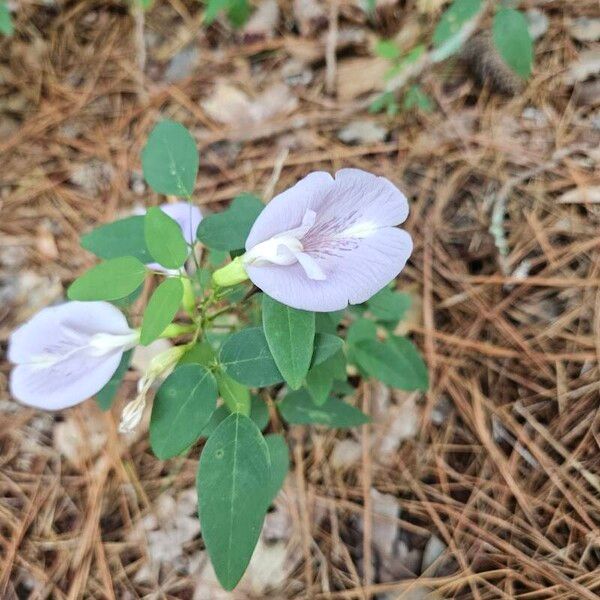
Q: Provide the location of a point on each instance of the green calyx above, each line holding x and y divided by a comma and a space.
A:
231, 274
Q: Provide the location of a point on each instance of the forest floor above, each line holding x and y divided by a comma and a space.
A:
486, 487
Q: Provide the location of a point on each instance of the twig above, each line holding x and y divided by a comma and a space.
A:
330, 55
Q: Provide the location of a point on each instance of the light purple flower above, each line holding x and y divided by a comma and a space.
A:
67, 353
188, 217
328, 242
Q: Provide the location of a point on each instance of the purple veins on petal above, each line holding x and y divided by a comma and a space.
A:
67, 353
327, 242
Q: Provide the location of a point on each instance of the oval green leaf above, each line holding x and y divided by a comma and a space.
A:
246, 357
326, 345
229, 229
290, 335
319, 380
124, 237
110, 280
396, 362
170, 159
297, 408
235, 395
161, 309
513, 41
233, 481
164, 239
388, 305
182, 408
280, 463
453, 19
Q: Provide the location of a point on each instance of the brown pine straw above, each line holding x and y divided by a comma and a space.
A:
505, 467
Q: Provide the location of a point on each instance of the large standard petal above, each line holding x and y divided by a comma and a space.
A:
352, 278
352, 199
365, 197
66, 383
48, 327
286, 211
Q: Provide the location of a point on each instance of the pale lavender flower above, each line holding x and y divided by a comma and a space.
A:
188, 217
327, 242
67, 353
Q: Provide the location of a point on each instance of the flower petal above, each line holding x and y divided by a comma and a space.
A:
287, 210
353, 196
86, 318
66, 383
56, 366
365, 270
375, 198
349, 246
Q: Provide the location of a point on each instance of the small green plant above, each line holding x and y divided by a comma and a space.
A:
237, 11
6, 24
510, 36
289, 304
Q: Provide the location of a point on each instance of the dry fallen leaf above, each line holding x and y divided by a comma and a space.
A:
345, 454
231, 106
263, 22
358, 76
584, 29
365, 131
311, 15
581, 195
586, 65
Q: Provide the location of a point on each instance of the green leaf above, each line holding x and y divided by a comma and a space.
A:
246, 357
161, 309
237, 11
297, 408
170, 160
387, 49
235, 395
290, 335
234, 486
382, 102
182, 408
328, 322
6, 24
164, 239
453, 19
110, 280
388, 305
124, 237
229, 229
513, 41
415, 97
361, 329
396, 362
128, 300
107, 394
218, 416
201, 353
326, 345
280, 463
259, 412
320, 378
